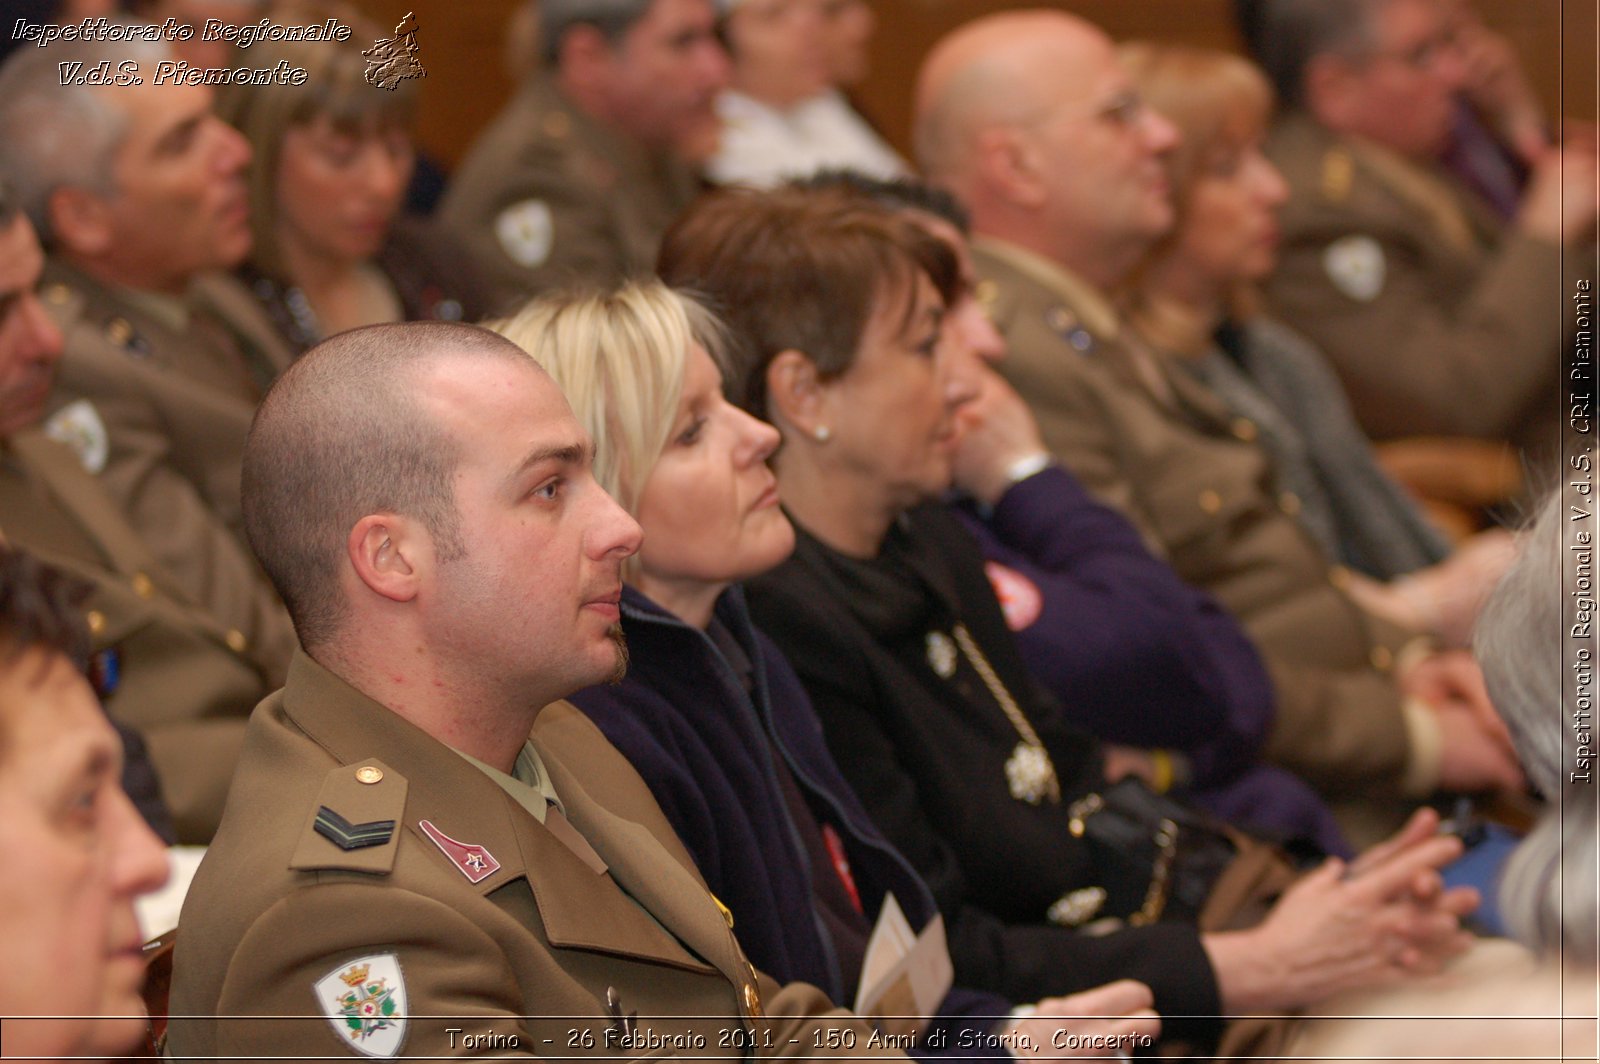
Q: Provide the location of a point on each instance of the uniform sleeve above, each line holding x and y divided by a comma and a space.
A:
1338, 729
196, 548
1420, 361
1135, 654
1022, 962
540, 227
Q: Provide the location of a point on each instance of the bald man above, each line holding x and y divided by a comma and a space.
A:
1030, 119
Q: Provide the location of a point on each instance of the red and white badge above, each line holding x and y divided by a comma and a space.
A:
1019, 597
475, 862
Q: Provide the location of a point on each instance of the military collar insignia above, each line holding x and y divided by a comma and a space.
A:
1065, 324
347, 836
365, 1001
472, 860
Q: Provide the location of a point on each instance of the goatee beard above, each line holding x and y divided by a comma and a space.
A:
619, 641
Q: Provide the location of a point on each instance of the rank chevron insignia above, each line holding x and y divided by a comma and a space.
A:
347, 836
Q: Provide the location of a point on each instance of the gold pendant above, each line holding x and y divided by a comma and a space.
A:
1030, 775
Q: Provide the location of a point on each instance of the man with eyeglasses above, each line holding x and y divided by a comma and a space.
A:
1029, 118
1440, 318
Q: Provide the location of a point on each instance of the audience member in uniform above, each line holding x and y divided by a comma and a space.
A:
710, 713
1135, 656
1434, 312
1537, 1002
165, 666
330, 164
423, 850
1194, 301
1031, 120
80, 854
137, 193
784, 117
584, 169
887, 616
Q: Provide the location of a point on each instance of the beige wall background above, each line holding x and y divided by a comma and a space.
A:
463, 47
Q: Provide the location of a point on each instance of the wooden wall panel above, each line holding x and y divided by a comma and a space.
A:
462, 45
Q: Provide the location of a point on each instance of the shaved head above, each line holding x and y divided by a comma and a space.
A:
344, 433
1002, 69
1031, 120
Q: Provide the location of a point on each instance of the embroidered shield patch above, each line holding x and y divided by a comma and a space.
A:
1356, 266
78, 425
526, 231
365, 1001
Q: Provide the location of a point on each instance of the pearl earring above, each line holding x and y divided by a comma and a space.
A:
823, 434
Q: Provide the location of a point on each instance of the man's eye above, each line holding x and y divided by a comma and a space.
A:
548, 490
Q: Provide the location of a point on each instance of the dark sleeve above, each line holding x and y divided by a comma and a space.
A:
1024, 962
1134, 654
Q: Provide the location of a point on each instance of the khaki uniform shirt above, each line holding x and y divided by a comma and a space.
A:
477, 918
1438, 320
156, 397
1164, 451
184, 680
547, 197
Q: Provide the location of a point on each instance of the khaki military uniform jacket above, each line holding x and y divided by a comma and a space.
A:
525, 946
184, 680
547, 197
159, 410
1438, 320
1189, 476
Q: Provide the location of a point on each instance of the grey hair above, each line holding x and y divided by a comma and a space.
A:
1548, 893
343, 434
55, 135
1289, 34
613, 18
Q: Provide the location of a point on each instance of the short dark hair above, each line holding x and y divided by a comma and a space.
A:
797, 269
897, 194
612, 18
1284, 36
342, 434
42, 607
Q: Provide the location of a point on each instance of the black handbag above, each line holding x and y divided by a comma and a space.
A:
1154, 856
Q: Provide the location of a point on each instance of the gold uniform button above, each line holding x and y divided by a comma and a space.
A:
1210, 502
727, 913
1244, 429
119, 331
1289, 503
236, 640
56, 294
987, 293
1381, 659
752, 1000
142, 586
369, 774
1340, 577
97, 622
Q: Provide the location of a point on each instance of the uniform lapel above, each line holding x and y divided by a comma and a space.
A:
645, 869
578, 907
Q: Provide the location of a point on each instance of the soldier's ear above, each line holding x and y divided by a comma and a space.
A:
1331, 86
80, 221
585, 57
390, 555
1008, 164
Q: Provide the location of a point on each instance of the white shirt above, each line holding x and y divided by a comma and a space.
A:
764, 146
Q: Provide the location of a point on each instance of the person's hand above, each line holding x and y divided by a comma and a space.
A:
1332, 931
1497, 87
1110, 1020
1559, 203
1474, 757
1450, 594
997, 431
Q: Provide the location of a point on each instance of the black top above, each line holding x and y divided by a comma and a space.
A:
924, 742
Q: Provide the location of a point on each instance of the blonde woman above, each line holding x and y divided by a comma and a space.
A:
710, 713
